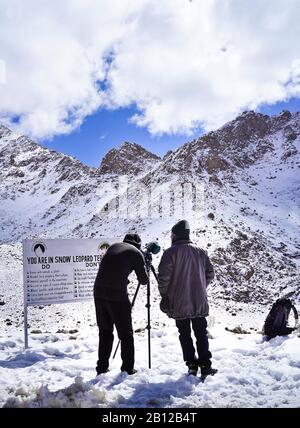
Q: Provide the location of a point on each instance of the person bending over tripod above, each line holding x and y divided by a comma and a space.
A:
183, 275
112, 303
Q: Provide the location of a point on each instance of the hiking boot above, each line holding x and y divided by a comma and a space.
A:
130, 372
101, 371
193, 369
207, 371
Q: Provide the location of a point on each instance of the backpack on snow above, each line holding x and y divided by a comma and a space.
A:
276, 323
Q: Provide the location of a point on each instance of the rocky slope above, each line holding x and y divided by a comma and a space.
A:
237, 145
240, 187
46, 193
33, 181
128, 159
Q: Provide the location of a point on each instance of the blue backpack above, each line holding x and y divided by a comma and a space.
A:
276, 323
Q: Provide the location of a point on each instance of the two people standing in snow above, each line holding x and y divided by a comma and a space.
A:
184, 273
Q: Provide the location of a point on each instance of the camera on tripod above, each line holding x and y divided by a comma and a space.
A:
151, 248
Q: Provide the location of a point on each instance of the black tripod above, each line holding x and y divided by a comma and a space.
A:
149, 267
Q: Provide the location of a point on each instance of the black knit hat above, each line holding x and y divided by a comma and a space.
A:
181, 229
133, 239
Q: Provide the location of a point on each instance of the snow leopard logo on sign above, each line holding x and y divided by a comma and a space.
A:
39, 248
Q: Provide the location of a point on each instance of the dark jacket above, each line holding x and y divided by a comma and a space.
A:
183, 275
117, 264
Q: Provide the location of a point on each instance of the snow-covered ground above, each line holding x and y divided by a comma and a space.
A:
58, 370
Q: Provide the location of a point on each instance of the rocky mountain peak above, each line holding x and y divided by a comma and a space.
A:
5, 134
238, 144
245, 128
26, 166
128, 159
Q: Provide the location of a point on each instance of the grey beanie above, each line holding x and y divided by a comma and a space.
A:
181, 229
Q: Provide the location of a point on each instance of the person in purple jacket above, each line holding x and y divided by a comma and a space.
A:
184, 273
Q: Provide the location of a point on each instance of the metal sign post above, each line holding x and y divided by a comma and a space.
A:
25, 295
25, 327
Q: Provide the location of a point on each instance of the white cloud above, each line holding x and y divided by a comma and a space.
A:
181, 63
55, 55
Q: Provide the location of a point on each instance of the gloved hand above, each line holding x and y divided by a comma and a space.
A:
164, 304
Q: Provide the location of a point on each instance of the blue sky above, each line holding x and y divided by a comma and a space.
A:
107, 129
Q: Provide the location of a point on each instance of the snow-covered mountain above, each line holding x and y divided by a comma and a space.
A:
44, 192
128, 159
247, 219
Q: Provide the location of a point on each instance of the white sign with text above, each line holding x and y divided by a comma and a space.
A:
61, 270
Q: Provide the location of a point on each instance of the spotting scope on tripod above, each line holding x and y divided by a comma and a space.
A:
151, 248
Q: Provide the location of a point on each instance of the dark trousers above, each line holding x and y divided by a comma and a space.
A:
108, 314
199, 327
